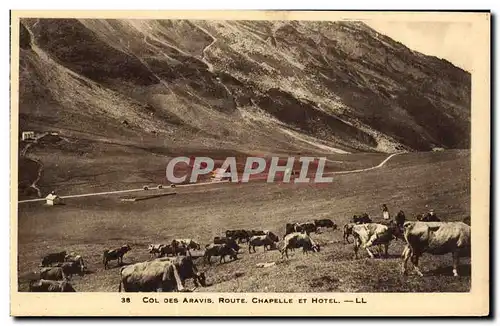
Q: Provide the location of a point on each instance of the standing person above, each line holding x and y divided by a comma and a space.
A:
432, 216
385, 212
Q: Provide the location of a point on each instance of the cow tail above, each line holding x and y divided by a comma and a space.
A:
121, 280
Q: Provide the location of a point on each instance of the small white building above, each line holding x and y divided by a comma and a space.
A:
53, 199
28, 135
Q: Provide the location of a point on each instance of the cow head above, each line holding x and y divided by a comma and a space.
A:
273, 236
316, 247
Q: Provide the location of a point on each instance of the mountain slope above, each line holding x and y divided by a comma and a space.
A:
240, 84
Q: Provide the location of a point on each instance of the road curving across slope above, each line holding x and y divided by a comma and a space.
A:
204, 183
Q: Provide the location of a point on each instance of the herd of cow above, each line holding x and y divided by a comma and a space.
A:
170, 265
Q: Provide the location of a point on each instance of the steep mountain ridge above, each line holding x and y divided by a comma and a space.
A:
240, 85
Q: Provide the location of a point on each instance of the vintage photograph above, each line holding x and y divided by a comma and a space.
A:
271, 155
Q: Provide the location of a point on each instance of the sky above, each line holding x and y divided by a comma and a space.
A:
446, 40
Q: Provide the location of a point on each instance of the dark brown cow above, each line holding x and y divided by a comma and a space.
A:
361, 219
238, 235
230, 242
71, 268
261, 241
219, 250
53, 258
115, 254
325, 223
169, 250
307, 227
189, 243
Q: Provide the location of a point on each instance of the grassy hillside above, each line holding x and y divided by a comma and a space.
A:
410, 182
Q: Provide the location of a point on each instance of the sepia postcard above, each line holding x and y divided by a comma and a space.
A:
250, 163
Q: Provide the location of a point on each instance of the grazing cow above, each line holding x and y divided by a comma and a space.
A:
238, 235
259, 241
53, 258
71, 268
230, 242
219, 250
326, 223
169, 250
371, 234
189, 243
158, 275
155, 249
115, 254
306, 227
436, 238
298, 240
361, 219
50, 286
72, 257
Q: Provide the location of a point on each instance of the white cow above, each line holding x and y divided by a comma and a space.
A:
298, 240
371, 234
436, 238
